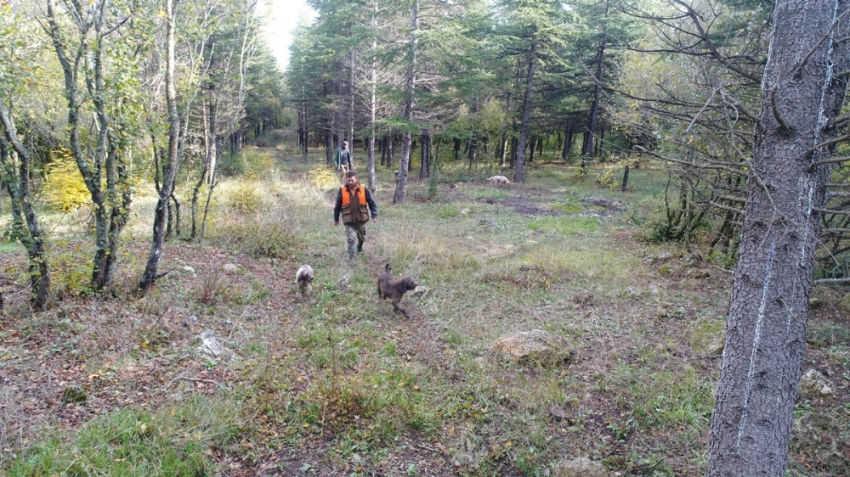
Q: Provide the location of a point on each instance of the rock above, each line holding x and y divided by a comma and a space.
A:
630, 292
663, 256
189, 322
230, 267
583, 298
464, 211
73, 394
536, 346
698, 274
558, 412
815, 303
654, 290
715, 344
342, 284
187, 270
580, 467
844, 304
814, 384
420, 290
822, 439
210, 345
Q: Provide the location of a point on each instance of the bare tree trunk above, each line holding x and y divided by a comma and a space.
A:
404, 161
169, 169
373, 102
766, 325
587, 146
425, 164
519, 172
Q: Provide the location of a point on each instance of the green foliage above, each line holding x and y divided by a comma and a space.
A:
134, 442
249, 162
323, 177
244, 197
261, 236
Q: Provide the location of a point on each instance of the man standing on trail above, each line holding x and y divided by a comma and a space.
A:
342, 158
357, 206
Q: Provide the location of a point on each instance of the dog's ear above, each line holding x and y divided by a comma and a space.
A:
388, 268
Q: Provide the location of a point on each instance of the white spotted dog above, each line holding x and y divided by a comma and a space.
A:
304, 280
499, 180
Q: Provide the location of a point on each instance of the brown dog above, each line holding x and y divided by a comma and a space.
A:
394, 290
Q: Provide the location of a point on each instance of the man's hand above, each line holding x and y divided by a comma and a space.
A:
374, 219
336, 222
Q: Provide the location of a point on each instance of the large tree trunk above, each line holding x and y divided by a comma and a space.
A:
407, 139
169, 168
519, 172
766, 325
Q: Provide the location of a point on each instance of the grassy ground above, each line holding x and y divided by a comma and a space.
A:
337, 384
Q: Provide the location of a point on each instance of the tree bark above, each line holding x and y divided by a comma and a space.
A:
373, 101
407, 138
587, 146
31, 237
519, 172
169, 168
425, 164
768, 310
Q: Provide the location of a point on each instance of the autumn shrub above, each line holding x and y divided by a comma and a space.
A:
323, 177
70, 269
64, 188
271, 235
244, 197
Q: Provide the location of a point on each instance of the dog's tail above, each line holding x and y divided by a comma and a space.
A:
388, 268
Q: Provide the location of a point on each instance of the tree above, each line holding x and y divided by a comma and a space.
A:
169, 168
533, 30
803, 89
407, 111
16, 161
87, 55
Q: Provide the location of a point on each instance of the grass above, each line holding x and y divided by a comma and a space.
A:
337, 383
133, 442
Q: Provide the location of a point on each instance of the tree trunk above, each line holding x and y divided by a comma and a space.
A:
768, 310
519, 172
587, 149
373, 102
169, 169
568, 140
425, 164
17, 185
407, 139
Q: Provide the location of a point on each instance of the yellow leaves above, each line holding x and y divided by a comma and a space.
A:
64, 187
323, 177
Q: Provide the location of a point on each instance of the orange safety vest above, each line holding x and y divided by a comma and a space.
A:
354, 215
346, 198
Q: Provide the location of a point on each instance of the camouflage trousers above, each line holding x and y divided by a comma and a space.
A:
355, 232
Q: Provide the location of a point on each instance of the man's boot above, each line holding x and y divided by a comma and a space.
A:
360, 247
351, 255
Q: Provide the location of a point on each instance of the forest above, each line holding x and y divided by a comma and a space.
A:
656, 286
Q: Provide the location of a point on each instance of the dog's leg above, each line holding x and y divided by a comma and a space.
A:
398, 307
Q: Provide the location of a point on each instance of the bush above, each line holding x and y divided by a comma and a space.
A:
324, 177
249, 162
64, 188
244, 198
261, 236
